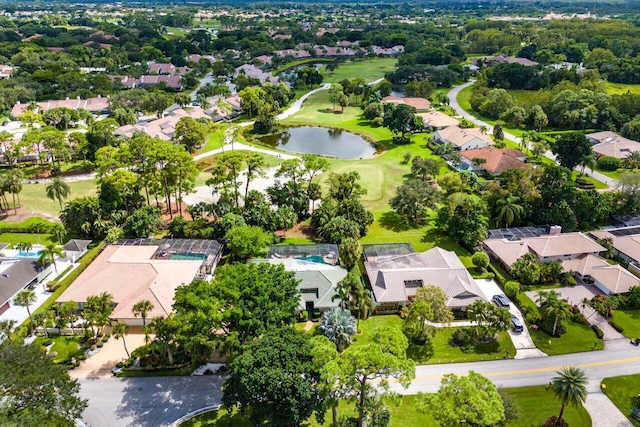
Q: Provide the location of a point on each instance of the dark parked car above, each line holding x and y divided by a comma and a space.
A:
500, 300
517, 324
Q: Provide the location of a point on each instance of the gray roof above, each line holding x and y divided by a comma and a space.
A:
319, 280
4, 245
397, 279
77, 245
20, 273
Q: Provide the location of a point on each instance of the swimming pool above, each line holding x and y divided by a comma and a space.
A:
189, 257
313, 258
30, 254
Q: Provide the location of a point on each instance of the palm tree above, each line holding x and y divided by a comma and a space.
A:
508, 209
26, 297
13, 184
40, 318
48, 254
6, 328
141, 308
632, 161
552, 305
588, 161
570, 387
58, 190
119, 330
339, 326
24, 247
364, 304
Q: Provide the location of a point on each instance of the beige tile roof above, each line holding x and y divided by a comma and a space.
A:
92, 104
563, 244
419, 104
617, 279
130, 275
628, 245
612, 144
574, 244
438, 119
459, 137
497, 160
436, 266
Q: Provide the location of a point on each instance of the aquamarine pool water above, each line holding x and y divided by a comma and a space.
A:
313, 258
30, 254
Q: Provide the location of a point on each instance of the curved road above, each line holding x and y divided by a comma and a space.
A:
453, 103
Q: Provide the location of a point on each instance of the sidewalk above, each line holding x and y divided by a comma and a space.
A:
603, 412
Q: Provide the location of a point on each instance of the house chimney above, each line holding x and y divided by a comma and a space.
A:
555, 230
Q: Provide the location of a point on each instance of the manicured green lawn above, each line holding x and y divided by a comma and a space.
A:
33, 197
206, 164
537, 404
622, 391
439, 350
15, 238
627, 319
298, 62
65, 347
215, 139
578, 338
370, 69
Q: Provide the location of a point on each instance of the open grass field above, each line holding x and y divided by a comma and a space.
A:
578, 338
176, 32
205, 165
15, 238
370, 69
621, 88
627, 319
215, 139
536, 405
622, 391
33, 197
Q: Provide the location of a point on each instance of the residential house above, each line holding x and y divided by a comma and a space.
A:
462, 139
5, 71
296, 53
318, 282
497, 160
144, 269
420, 104
392, 51
509, 60
164, 127
576, 252
395, 280
98, 105
609, 143
17, 274
254, 72
76, 248
438, 120
625, 242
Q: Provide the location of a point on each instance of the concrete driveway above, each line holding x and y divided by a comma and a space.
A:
522, 341
99, 364
574, 296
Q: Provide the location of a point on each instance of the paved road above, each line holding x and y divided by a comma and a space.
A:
159, 401
453, 103
146, 402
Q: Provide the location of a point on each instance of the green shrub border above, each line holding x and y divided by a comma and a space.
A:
615, 326
87, 259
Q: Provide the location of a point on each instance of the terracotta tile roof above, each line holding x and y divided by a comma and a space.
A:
130, 275
438, 119
419, 104
459, 137
396, 279
98, 104
497, 160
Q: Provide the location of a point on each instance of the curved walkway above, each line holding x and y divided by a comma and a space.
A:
453, 103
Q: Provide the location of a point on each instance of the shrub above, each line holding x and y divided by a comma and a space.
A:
460, 337
597, 331
532, 318
99, 344
608, 163
569, 280
512, 288
480, 260
615, 326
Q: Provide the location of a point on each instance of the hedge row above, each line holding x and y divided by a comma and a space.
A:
615, 326
32, 226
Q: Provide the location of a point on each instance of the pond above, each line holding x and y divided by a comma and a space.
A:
323, 141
